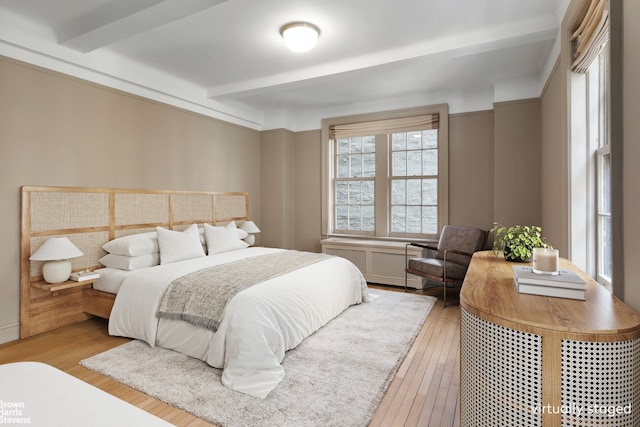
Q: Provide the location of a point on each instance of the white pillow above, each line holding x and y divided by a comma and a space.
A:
241, 233
222, 239
133, 244
179, 245
124, 262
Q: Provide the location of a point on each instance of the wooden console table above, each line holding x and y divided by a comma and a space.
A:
530, 360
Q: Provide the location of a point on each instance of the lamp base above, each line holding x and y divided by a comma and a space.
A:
56, 271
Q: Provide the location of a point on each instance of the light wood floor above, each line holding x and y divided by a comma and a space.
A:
424, 392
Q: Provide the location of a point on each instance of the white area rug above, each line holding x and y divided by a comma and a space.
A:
336, 377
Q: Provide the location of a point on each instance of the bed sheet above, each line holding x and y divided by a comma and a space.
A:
110, 279
260, 324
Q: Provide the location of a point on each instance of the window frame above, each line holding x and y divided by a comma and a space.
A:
575, 183
590, 141
603, 251
337, 179
392, 176
601, 143
383, 186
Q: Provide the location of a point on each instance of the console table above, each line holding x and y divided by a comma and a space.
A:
530, 360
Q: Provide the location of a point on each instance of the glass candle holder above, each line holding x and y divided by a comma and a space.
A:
545, 261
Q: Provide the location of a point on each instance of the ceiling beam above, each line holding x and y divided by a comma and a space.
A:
514, 34
123, 19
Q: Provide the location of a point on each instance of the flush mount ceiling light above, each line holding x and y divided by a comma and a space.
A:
300, 36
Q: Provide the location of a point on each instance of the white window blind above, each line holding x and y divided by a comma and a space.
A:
591, 35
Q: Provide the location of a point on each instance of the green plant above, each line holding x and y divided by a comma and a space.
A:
517, 242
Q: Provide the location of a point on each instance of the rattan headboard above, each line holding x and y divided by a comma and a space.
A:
90, 217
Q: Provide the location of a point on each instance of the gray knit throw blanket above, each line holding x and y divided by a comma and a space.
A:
200, 297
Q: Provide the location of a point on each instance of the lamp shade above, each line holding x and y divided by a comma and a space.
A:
56, 251
56, 248
250, 227
300, 36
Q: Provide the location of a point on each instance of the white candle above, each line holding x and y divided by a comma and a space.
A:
545, 261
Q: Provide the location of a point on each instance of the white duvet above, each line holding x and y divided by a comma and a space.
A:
259, 325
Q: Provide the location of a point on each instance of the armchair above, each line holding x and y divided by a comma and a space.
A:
453, 255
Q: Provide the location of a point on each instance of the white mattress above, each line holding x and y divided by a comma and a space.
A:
37, 394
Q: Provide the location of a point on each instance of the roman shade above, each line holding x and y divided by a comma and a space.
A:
591, 35
423, 122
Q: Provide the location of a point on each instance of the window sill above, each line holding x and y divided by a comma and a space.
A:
369, 240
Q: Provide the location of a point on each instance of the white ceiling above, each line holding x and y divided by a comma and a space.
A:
225, 58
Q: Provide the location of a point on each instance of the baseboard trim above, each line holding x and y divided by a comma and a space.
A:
10, 332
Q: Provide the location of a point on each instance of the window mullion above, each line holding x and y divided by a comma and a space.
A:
382, 185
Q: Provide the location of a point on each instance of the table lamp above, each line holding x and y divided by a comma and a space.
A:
251, 228
56, 252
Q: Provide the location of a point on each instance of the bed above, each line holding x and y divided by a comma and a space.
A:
257, 324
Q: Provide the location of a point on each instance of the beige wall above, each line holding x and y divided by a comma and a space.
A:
58, 130
517, 162
471, 169
278, 189
307, 191
291, 186
554, 200
631, 138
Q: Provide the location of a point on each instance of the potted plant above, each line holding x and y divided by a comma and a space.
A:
517, 242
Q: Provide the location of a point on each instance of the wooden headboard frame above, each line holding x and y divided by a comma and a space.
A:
90, 217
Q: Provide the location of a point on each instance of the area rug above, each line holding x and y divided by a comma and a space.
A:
336, 377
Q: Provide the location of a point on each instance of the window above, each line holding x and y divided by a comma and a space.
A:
414, 182
355, 183
597, 101
586, 37
385, 174
591, 246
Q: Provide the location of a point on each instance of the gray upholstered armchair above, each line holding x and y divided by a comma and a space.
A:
452, 257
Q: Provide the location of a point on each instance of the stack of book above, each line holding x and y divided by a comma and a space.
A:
84, 275
567, 284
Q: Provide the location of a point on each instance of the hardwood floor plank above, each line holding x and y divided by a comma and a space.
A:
424, 391
434, 358
400, 387
423, 407
449, 411
426, 373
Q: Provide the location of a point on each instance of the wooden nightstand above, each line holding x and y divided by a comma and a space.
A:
52, 305
54, 288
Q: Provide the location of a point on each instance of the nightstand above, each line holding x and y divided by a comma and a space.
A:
54, 288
